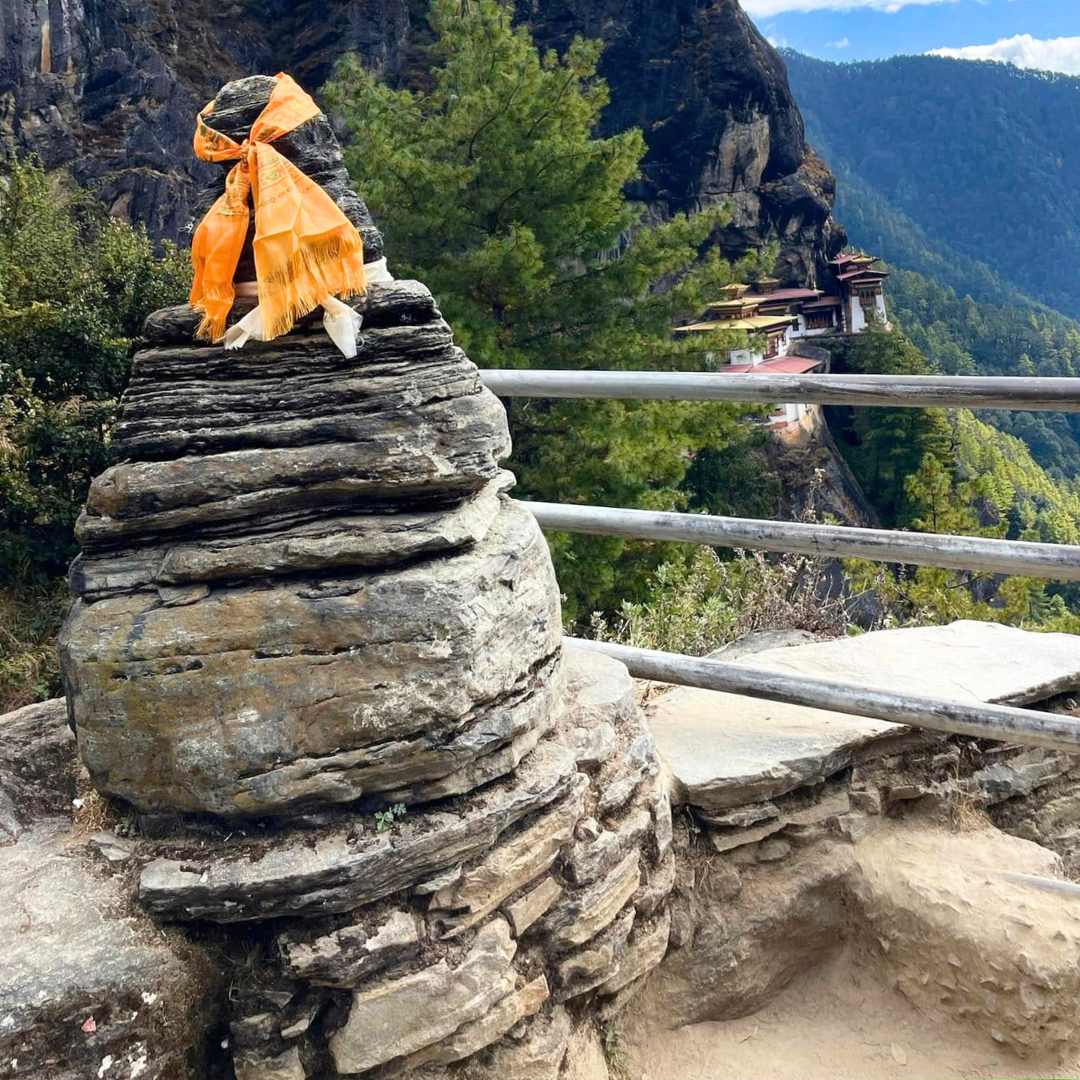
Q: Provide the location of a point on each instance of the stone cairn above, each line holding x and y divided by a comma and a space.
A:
316, 650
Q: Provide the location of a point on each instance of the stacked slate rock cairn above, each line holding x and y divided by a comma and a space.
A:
317, 653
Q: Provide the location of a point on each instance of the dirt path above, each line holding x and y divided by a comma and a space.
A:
837, 1023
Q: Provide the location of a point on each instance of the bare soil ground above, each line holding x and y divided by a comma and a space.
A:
835, 1023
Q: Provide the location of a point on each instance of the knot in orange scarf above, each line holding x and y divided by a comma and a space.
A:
306, 249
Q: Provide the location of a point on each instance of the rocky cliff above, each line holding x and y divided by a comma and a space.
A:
107, 89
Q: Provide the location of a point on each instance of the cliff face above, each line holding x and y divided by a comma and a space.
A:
108, 89
712, 97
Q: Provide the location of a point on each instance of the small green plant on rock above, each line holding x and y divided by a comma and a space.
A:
386, 819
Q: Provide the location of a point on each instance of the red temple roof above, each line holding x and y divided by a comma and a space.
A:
780, 365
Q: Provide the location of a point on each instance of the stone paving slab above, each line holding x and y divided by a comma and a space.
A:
725, 750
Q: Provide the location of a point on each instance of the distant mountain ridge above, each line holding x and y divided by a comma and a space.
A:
966, 171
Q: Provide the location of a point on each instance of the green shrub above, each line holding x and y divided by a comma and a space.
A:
75, 287
697, 607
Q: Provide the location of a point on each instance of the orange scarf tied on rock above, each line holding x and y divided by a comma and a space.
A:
306, 249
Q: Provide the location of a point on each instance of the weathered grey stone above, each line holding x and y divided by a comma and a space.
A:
1020, 775
286, 1066
189, 399
725, 750
588, 968
663, 826
278, 547
511, 864
600, 690
867, 801
535, 715
594, 745
591, 860
474, 1037
347, 956
799, 819
721, 842
402, 1016
181, 595
588, 830
741, 817
111, 847
657, 888
581, 915
336, 871
252, 1030
84, 978
439, 881
634, 767
322, 692
763, 641
37, 766
538, 1055
450, 448
644, 950
1054, 823
600, 697
524, 911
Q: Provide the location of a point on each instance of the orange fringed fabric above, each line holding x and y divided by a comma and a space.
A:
306, 249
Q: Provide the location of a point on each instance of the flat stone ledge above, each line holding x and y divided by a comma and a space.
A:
725, 750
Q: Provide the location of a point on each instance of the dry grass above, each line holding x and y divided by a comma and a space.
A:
967, 810
611, 1039
93, 813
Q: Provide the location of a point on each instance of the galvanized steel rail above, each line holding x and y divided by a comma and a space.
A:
892, 391
1002, 722
1056, 562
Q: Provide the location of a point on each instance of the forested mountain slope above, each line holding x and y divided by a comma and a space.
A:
964, 337
983, 158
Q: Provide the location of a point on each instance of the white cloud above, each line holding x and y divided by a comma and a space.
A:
842, 43
1050, 54
765, 8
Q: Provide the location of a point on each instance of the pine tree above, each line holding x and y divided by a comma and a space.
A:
493, 186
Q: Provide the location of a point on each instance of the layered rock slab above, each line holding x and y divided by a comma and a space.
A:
725, 750
305, 585
450, 906
257, 699
345, 867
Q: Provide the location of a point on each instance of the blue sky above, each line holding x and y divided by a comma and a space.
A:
1031, 33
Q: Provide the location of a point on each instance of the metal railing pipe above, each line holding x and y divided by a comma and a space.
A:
1057, 562
893, 391
1002, 722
